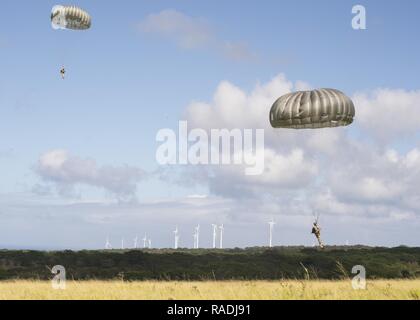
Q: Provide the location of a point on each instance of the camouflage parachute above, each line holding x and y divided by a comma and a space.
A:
321, 108
70, 17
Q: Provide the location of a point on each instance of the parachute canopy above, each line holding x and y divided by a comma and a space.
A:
321, 108
70, 17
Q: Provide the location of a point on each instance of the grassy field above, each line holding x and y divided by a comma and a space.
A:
228, 290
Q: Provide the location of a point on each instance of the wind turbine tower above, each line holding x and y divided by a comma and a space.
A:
197, 232
214, 235
145, 241
108, 244
271, 224
222, 228
136, 240
122, 244
150, 243
176, 232
195, 238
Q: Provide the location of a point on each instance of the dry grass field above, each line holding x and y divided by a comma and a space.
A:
229, 290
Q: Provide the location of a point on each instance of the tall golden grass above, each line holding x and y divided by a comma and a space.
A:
224, 290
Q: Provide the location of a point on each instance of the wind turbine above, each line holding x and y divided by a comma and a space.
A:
145, 241
176, 238
108, 244
150, 243
136, 240
122, 244
222, 228
214, 235
197, 232
271, 224
195, 238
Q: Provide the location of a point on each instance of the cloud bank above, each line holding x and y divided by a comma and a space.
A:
192, 33
66, 171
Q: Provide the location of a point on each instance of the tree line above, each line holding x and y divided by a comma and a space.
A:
203, 264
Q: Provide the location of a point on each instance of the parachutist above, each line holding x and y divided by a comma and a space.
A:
63, 73
316, 230
70, 18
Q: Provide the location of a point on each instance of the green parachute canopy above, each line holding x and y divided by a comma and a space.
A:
70, 17
323, 108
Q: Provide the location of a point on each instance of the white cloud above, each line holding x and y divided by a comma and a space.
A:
376, 189
387, 178
237, 51
192, 33
186, 31
412, 160
66, 171
387, 114
234, 108
287, 170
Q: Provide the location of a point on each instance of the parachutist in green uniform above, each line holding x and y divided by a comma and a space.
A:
316, 230
69, 18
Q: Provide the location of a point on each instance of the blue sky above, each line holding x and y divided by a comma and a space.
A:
124, 84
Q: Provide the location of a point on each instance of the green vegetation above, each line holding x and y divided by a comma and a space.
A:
235, 264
